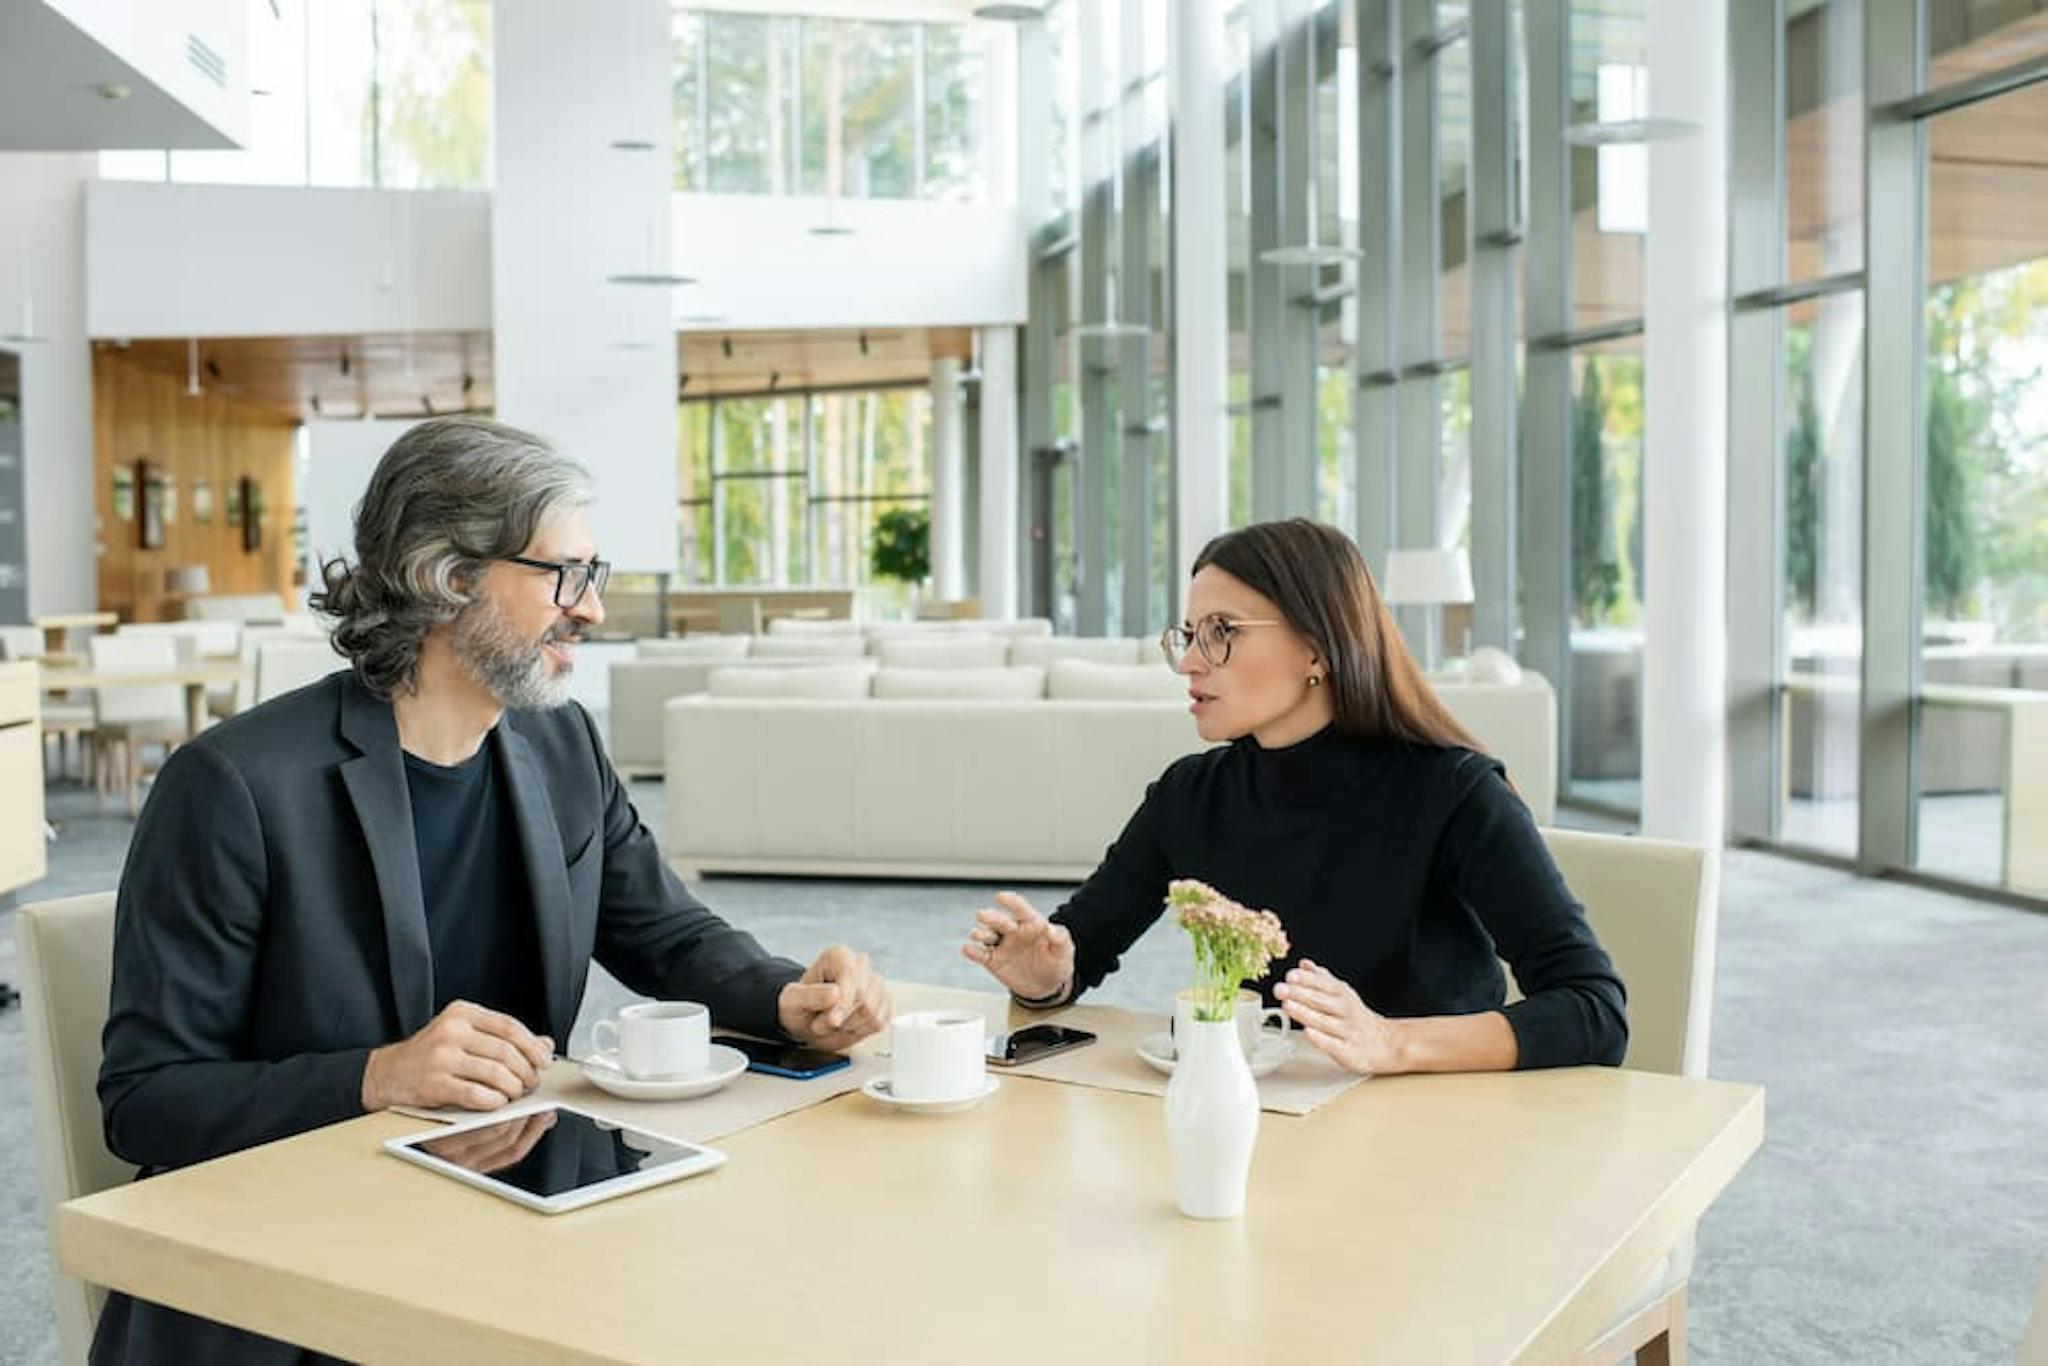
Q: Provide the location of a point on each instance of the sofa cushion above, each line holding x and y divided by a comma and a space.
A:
1084, 680
813, 626
808, 647
993, 684
953, 652
838, 682
695, 648
1043, 650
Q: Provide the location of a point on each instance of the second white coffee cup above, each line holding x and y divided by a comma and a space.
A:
1254, 1021
658, 1039
937, 1055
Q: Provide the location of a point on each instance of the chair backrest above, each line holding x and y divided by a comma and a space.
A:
1654, 905
20, 642
2034, 1343
66, 951
292, 661
148, 704
739, 617
210, 639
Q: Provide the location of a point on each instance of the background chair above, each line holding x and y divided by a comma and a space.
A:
127, 718
1655, 905
288, 662
65, 718
66, 950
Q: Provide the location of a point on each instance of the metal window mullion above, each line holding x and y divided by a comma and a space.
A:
1265, 284
1894, 436
1420, 423
1037, 346
1756, 468
1491, 274
1374, 411
1297, 464
1093, 356
1544, 546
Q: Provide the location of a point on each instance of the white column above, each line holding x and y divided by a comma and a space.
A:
42, 223
949, 483
1001, 481
1685, 454
589, 363
1201, 364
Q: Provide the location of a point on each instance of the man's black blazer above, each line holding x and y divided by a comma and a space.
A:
271, 931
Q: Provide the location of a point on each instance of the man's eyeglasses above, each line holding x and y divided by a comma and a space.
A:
573, 578
1211, 635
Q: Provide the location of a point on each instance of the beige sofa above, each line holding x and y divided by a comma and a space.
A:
901, 779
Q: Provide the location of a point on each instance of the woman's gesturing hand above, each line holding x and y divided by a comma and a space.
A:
1023, 950
1337, 1022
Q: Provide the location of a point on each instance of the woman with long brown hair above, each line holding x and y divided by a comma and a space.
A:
1350, 802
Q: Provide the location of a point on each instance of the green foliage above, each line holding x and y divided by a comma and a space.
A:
434, 93
1954, 431
1596, 578
1802, 479
903, 541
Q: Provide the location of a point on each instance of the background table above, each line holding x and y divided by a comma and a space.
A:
195, 679
1468, 1218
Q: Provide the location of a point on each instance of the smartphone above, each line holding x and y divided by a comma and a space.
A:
1034, 1042
784, 1059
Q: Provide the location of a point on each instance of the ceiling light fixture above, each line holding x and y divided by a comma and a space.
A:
112, 90
1112, 328
1011, 11
192, 389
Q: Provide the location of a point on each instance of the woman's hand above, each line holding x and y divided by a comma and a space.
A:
1337, 1022
1023, 950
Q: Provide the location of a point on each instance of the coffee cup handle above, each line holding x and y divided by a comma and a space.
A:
597, 1037
1273, 1017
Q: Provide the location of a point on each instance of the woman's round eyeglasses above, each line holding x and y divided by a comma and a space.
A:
1211, 635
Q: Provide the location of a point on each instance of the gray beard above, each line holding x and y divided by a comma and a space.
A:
510, 666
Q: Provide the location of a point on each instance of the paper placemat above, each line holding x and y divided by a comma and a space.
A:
1299, 1086
1302, 1084
750, 1098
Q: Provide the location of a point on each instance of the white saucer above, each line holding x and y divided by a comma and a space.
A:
1270, 1055
877, 1089
726, 1063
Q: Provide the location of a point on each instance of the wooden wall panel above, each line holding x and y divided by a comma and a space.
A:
142, 415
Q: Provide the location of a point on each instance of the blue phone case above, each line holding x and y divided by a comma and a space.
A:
769, 1069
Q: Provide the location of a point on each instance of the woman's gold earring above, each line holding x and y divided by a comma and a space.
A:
1315, 680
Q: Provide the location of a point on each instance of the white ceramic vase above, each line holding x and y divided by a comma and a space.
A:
1212, 1120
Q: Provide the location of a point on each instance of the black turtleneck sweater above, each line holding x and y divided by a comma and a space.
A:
1406, 871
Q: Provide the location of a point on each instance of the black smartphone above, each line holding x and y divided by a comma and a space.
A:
1034, 1042
784, 1059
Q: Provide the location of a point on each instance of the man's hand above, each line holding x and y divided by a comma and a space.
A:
466, 1056
839, 1001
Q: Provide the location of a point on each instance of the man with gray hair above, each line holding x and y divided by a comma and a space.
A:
387, 888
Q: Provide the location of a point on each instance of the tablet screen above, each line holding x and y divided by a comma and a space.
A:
555, 1151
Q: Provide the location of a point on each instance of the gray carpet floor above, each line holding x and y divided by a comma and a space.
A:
1898, 1211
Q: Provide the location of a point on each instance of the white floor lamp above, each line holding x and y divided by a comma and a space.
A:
1428, 579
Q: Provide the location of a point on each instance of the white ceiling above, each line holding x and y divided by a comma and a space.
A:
51, 73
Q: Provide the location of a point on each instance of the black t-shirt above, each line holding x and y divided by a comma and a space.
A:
480, 918
1402, 869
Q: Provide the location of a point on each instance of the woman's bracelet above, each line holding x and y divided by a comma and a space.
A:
1059, 997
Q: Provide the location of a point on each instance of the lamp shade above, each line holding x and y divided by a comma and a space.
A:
188, 580
1426, 577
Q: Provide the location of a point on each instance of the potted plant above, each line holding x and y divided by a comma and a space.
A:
1212, 1104
903, 546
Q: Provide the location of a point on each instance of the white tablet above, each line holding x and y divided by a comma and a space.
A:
553, 1157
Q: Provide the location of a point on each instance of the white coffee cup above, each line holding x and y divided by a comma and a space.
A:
937, 1055
658, 1039
1252, 1018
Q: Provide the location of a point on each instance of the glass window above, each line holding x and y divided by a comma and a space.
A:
276, 154
745, 102
686, 46
1453, 70
1609, 185
872, 453
952, 113
694, 524
1822, 636
1606, 668
1985, 606
1966, 38
1454, 465
1336, 471
433, 93
340, 78
1823, 157
1064, 59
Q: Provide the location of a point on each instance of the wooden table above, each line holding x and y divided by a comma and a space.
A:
195, 679
57, 630
1439, 1219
